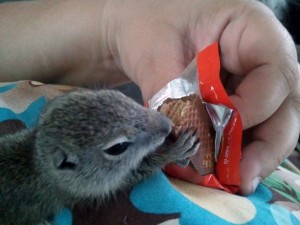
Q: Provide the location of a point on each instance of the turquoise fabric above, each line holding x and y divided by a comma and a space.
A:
275, 201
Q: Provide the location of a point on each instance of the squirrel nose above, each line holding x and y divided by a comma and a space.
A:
165, 124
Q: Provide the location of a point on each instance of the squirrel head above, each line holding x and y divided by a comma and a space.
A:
87, 142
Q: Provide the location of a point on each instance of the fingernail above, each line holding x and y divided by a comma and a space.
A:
255, 183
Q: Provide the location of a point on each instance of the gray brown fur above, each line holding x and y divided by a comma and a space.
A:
62, 161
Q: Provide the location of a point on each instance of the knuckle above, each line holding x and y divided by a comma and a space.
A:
290, 73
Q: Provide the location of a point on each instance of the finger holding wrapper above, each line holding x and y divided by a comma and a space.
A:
198, 101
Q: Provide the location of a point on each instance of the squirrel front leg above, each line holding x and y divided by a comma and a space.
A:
178, 152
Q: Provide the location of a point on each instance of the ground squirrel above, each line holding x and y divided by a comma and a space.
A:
87, 144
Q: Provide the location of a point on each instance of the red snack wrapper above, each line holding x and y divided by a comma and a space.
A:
197, 99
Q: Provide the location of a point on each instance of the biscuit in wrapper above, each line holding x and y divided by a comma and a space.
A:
189, 113
197, 99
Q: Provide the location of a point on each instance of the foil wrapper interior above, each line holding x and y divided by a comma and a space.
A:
185, 85
220, 116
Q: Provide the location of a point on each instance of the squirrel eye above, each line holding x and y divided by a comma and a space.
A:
118, 149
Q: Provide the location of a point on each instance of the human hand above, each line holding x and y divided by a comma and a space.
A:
153, 41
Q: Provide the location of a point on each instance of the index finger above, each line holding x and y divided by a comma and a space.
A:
257, 47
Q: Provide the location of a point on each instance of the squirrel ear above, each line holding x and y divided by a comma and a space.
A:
65, 161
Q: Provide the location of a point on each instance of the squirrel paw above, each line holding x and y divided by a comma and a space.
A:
182, 149
177, 151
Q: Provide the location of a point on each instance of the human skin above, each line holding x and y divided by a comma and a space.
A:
151, 42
